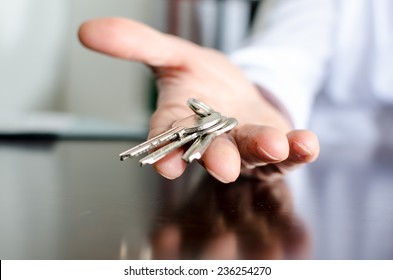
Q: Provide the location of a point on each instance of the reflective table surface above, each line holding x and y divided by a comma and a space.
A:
76, 200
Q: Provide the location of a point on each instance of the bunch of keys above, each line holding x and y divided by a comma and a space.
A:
201, 127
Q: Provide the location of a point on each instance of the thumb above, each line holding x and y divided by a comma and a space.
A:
132, 40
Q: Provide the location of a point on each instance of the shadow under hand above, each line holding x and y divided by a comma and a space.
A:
248, 219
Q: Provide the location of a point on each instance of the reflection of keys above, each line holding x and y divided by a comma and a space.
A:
179, 128
198, 148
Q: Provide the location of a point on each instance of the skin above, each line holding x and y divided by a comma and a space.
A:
262, 145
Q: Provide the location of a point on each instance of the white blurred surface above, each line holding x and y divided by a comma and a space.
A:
43, 67
32, 47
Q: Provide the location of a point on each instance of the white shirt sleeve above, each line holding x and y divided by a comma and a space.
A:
288, 52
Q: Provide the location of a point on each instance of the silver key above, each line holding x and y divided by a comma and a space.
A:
199, 149
200, 108
220, 125
179, 128
162, 152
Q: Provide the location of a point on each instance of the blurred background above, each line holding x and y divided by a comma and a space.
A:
44, 68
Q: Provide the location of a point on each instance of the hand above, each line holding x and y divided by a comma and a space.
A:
263, 143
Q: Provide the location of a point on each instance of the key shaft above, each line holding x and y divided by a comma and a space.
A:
162, 152
168, 135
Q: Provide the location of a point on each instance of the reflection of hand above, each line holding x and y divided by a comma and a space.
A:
186, 70
248, 219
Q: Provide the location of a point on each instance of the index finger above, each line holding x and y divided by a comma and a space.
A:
124, 38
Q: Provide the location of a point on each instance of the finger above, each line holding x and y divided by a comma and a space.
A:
304, 148
259, 145
171, 166
222, 159
132, 40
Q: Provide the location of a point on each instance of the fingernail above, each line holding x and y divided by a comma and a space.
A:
302, 150
265, 153
165, 175
221, 179
168, 177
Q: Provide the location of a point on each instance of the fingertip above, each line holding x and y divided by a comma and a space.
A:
89, 29
172, 166
222, 176
304, 146
222, 160
87, 34
104, 35
271, 144
262, 144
